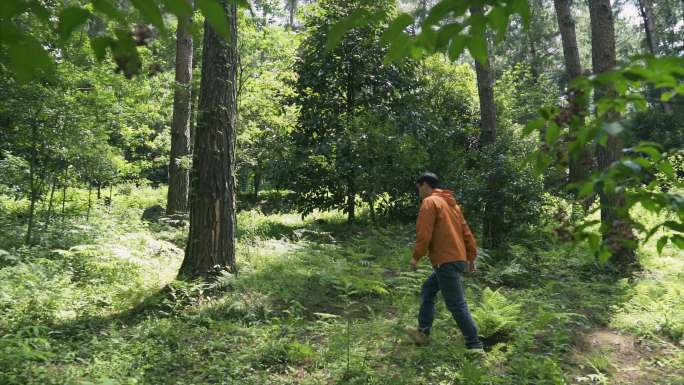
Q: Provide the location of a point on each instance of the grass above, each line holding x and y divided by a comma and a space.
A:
316, 302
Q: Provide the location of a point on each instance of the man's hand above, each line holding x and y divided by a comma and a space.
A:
414, 262
471, 267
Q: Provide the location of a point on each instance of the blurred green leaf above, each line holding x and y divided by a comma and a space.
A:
396, 28
28, 58
457, 46
477, 45
180, 8
69, 19
107, 8
150, 12
215, 14
661, 244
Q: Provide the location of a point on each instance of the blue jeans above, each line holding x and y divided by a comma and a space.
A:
447, 278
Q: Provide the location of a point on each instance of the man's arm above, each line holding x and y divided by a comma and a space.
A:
424, 226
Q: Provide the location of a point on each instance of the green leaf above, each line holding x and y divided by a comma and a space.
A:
337, 31
499, 21
438, 12
108, 9
676, 226
100, 45
666, 168
666, 96
477, 45
180, 8
446, 34
551, 133
69, 19
522, 8
28, 58
613, 128
586, 189
661, 244
457, 46
651, 151
678, 241
216, 15
396, 28
630, 164
534, 125
151, 13
401, 47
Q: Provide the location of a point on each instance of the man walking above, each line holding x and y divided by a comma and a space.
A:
442, 233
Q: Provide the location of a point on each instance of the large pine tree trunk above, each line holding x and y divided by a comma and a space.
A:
485, 89
179, 179
615, 228
211, 243
580, 165
646, 9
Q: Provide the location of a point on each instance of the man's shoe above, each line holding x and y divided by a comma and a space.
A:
419, 338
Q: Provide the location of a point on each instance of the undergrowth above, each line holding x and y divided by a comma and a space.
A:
316, 302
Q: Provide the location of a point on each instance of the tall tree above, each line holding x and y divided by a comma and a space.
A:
646, 9
616, 229
485, 89
211, 242
580, 165
179, 179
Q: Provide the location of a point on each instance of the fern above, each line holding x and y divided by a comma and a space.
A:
496, 315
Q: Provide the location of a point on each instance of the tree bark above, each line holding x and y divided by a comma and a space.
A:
485, 90
90, 201
646, 9
488, 129
211, 243
580, 165
49, 209
179, 178
257, 185
616, 228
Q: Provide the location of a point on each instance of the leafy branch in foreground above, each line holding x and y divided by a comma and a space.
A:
448, 28
645, 174
30, 55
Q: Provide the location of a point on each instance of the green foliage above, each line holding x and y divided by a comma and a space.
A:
353, 113
495, 315
309, 309
29, 59
448, 28
633, 174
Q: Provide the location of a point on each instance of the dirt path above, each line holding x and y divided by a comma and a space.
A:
607, 356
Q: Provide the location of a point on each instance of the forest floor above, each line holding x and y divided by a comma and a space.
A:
317, 301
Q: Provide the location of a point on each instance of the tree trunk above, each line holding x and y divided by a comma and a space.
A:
49, 209
580, 164
615, 228
211, 242
90, 192
485, 89
257, 185
292, 9
179, 179
351, 199
64, 189
646, 9
33, 188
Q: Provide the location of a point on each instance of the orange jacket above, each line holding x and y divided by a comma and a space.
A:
442, 230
